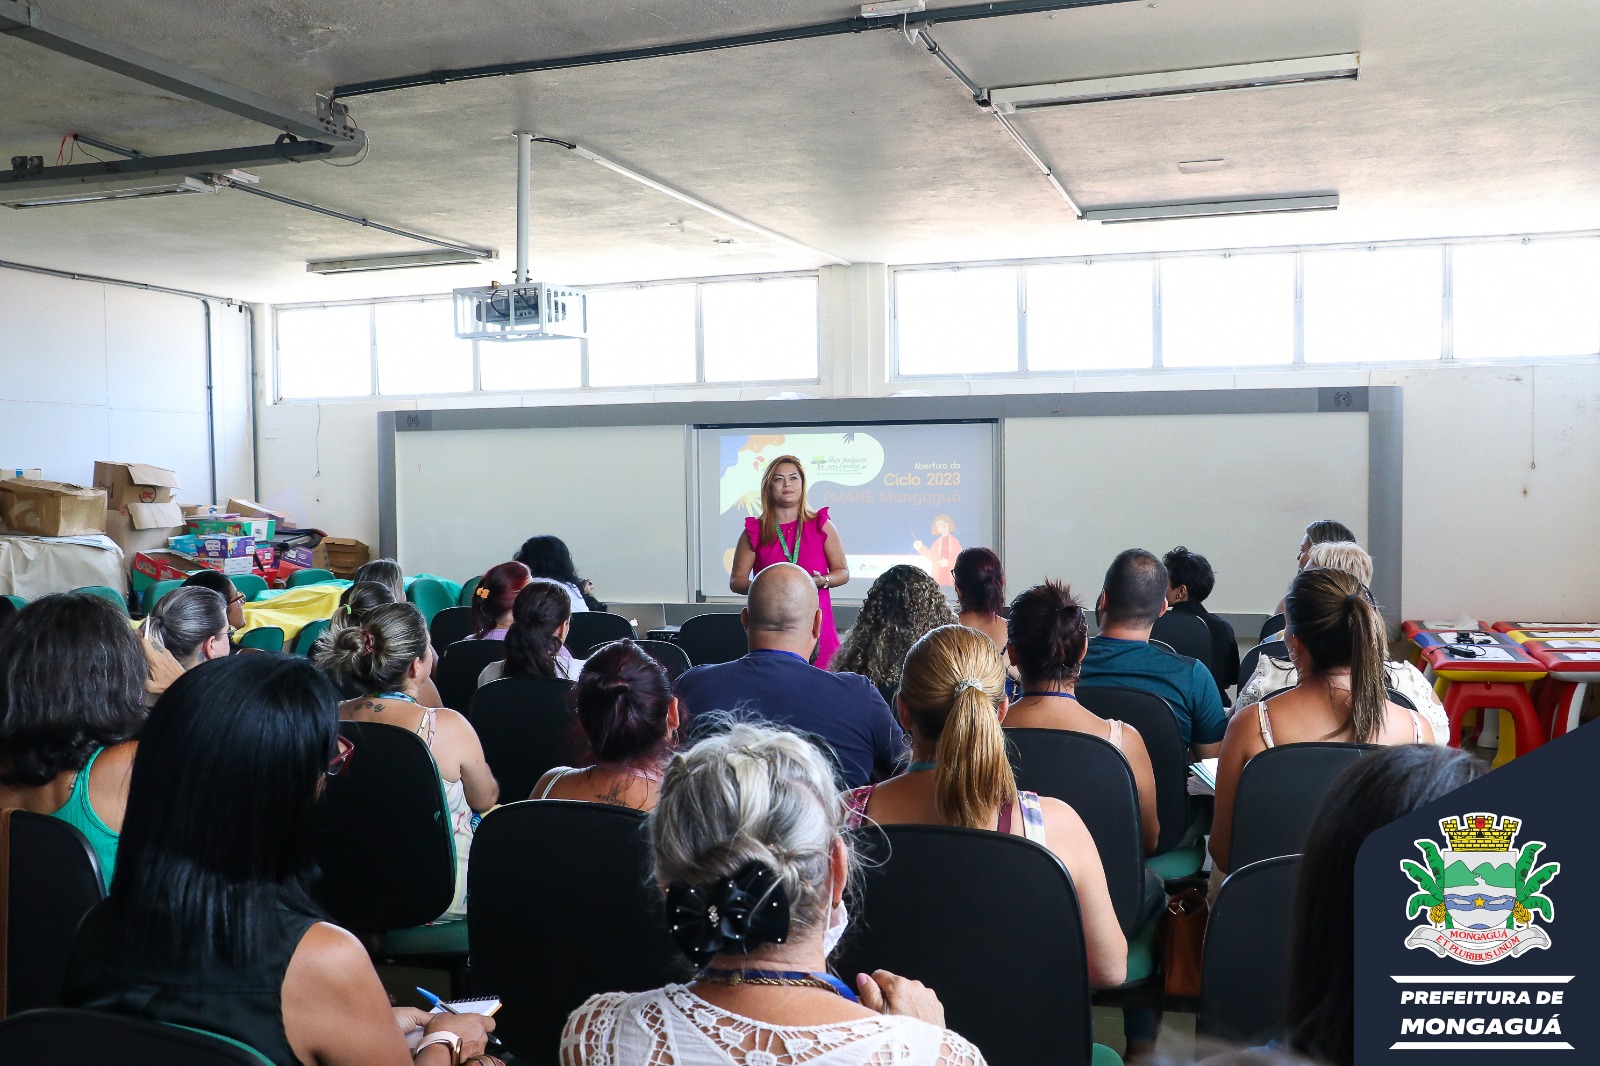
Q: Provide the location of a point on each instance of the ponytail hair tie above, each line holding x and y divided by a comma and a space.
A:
347, 611
481, 593
366, 642
966, 683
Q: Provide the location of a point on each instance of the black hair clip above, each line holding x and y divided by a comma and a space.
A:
737, 913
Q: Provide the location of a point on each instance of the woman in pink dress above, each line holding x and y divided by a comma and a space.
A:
789, 531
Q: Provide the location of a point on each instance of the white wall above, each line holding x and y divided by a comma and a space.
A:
1502, 462
93, 371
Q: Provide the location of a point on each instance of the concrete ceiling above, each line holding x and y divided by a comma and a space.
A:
1470, 117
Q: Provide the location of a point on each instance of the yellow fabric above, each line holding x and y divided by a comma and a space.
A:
293, 611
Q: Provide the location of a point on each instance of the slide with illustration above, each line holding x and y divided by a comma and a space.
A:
897, 493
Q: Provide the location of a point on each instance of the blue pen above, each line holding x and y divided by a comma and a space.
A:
439, 1004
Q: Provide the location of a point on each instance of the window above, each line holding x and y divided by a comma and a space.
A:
1227, 310
642, 336
527, 366
760, 330
324, 351
1090, 316
418, 351
956, 321
1529, 298
1373, 304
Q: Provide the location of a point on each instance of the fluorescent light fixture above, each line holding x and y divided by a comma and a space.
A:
364, 263
134, 187
1178, 82
1271, 205
892, 8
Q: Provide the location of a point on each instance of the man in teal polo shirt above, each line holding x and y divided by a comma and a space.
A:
1134, 596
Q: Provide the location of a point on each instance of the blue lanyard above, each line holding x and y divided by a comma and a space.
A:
914, 767
786, 976
392, 696
1062, 695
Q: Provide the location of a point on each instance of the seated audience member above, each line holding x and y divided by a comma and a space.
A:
1121, 656
952, 701
629, 717
1322, 531
1049, 636
210, 924
980, 583
752, 814
72, 702
540, 618
191, 625
494, 599
219, 583
1274, 674
1335, 638
547, 557
388, 654
1375, 791
1189, 582
904, 603
385, 572
775, 683
355, 603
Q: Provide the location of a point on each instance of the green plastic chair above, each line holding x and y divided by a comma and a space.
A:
18, 602
308, 635
251, 585
266, 638
154, 592
312, 576
431, 596
105, 592
467, 588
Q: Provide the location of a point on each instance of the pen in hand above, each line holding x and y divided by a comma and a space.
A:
439, 1004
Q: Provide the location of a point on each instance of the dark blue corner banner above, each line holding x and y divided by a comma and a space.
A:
1476, 931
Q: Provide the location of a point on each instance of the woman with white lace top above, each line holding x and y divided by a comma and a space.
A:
747, 840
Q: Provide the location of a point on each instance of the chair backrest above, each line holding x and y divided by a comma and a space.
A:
1184, 634
671, 657
382, 837
590, 629
263, 638
568, 881
51, 878
250, 586
155, 591
526, 729
19, 602
1169, 759
459, 666
1279, 792
106, 592
95, 1036
942, 905
468, 586
713, 638
1272, 649
1245, 967
1270, 628
308, 635
431, 596
309, 576
1091, 776
450, 625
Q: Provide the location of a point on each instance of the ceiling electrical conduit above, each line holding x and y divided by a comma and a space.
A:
836, 28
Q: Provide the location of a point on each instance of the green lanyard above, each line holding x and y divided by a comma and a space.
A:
792, 556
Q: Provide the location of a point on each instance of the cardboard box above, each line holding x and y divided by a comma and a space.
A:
345, 556
304, 558
127, 483
266, 556
32, 473
143, 527
224, 546
231, 567
51, 508
152, 566
252, 509
259, 529
184, 544
200, 510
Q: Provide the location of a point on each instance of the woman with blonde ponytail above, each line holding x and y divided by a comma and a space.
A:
951, 703
1336, 639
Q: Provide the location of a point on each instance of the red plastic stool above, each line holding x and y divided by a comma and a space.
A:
1493, 678
1571, 672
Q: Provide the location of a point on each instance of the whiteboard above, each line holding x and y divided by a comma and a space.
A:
618, 495
1238, 489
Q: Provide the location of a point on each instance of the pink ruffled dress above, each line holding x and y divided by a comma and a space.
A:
813, 558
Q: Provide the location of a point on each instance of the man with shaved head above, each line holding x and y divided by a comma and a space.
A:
776, 683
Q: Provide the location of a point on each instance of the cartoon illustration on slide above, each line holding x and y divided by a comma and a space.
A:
842, 458
941, 556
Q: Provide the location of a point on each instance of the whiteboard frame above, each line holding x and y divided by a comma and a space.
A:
1383, 405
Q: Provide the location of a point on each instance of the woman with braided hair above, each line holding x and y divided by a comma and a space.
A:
903, 604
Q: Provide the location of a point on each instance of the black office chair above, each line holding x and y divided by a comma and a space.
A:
95, 1036
460, 663
590, 629
567, 883
1272, 649
53, 879
1278, 795
1186, 635
671, 657
1245, 967
943, 905
713, 638
1092, 777
1270, 628
450, 625
526, 729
